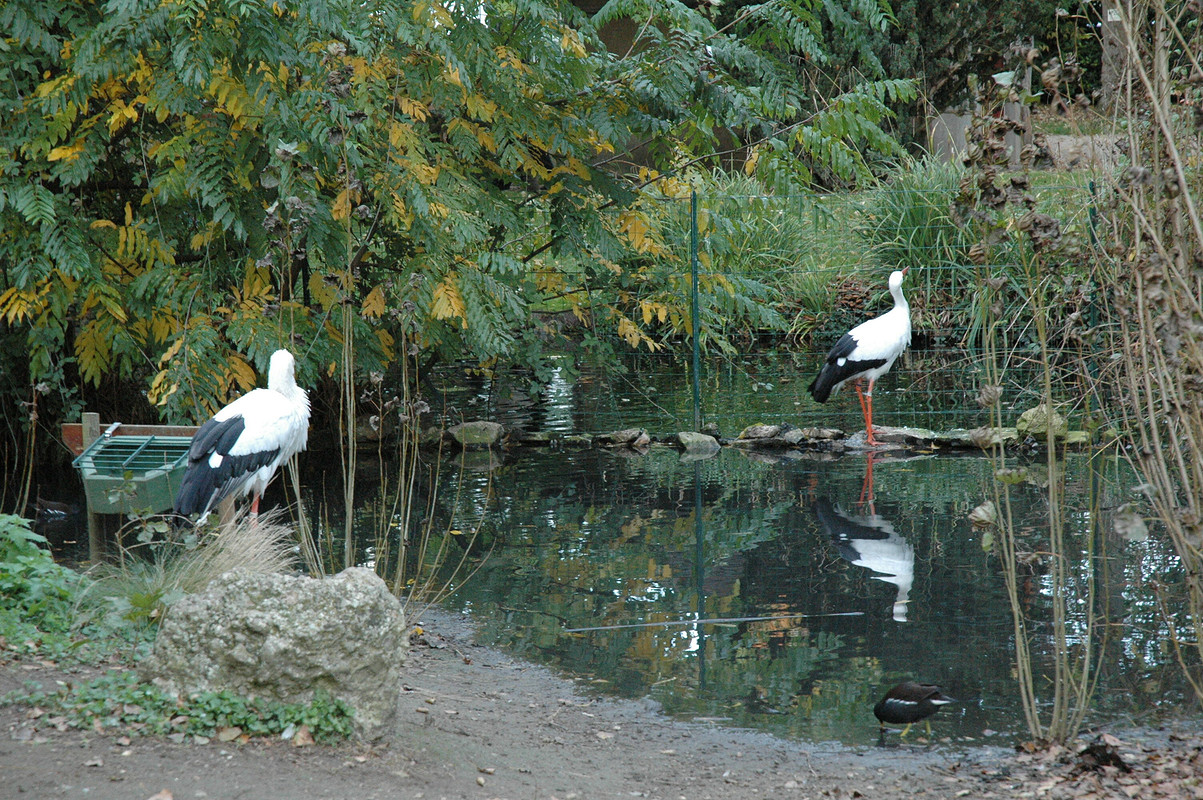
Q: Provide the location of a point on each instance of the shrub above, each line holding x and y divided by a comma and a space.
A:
122, 701
32, 586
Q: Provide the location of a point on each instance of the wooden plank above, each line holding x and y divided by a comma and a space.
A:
73, 433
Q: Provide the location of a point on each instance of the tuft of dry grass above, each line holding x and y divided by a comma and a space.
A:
149, 578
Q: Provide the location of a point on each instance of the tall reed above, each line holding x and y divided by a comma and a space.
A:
1003, 216
1156, 280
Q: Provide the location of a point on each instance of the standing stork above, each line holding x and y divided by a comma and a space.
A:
866, 353
238, 451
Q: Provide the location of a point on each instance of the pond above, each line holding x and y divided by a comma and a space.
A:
782, 591
786, 592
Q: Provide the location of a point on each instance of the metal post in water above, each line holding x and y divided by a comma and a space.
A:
693, 269
699, 571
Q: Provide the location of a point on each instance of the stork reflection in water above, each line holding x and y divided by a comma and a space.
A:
870, 541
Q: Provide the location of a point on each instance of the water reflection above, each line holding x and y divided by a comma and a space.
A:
870, 541
718, 588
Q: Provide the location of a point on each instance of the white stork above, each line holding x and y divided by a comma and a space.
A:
866, 353
239, 450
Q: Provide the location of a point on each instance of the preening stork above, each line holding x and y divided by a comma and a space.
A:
909, 702
867, 352
238, 451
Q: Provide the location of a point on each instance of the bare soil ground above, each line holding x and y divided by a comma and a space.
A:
475, 723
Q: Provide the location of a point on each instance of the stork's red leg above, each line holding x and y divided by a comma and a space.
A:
860, 395
255, 506
866, 487
869, 413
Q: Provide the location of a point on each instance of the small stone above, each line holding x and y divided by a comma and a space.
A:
760, 431
1039, 420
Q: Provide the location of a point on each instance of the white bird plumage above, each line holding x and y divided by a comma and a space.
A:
870, 541
238, 451
867, 352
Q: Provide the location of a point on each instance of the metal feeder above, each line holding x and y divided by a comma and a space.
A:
124, 474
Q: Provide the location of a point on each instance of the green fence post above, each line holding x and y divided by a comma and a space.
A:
693, 268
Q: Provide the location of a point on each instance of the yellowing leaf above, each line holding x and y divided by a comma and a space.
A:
481, 107
121, 115
341, 209
570, 42
160, 390
373, 304
386, 342
93, 350
16, 304
629, 331
447, 301
200, 240
425, 173
66, 152
240, 374
752, 160
413, 108
634, 225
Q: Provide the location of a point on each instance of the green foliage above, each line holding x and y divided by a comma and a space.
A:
186, 187
38, 601
122, 701
942, 45
32, 586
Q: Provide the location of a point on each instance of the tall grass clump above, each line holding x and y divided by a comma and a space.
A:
769, 262
137, 590
908, 219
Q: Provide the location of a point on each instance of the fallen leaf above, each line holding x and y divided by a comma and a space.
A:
228, 734
303, 737
604, 735
163, 795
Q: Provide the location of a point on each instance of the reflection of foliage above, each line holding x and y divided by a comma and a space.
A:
611, 541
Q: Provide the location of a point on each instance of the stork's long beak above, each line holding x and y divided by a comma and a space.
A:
905, 269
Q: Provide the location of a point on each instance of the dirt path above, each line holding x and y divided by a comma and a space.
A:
477, 724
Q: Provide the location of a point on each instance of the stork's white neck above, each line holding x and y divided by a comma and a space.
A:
281, 377
896, 289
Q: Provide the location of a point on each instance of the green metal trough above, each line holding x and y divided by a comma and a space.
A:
127, 474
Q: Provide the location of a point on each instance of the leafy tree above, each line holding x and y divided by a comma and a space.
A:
185, 187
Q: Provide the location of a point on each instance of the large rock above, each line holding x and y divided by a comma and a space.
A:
287, 637
697, 445
477, 434
1037, 422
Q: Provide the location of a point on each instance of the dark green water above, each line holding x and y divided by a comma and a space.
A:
597, 540
648, 575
